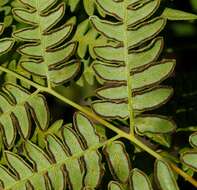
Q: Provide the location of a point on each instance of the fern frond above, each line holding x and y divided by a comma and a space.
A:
60, 163
130, 70
73, 160
17, 107
44, 56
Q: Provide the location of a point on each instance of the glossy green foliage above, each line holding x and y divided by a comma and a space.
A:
73, 160
130, 70
43, 55
189, 157
17, 107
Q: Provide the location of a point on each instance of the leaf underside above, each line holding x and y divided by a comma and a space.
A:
17, 107
42, 54
72, 160
131, 75
53, 168
130, 70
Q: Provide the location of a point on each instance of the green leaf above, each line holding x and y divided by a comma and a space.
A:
5, 45
190, 159
154, 124
118, 161
17, 105
173, 14
193, 140
113, 185
91, 6
73, 4
194, 4
116, 9
89, 138
141, 102
164, 176
140, 180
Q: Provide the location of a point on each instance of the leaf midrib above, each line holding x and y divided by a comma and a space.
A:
127, 70
43, 45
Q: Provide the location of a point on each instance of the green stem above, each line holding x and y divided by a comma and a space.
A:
184, 175
20, 77
42, 43
158, 156
89, 113
144, 147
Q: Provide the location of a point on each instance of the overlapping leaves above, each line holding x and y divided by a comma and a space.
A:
45, 56
131, 76
87, 37
72, 160
53, 168
130, 70
17, 107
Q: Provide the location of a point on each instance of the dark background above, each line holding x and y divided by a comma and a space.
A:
181, 37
